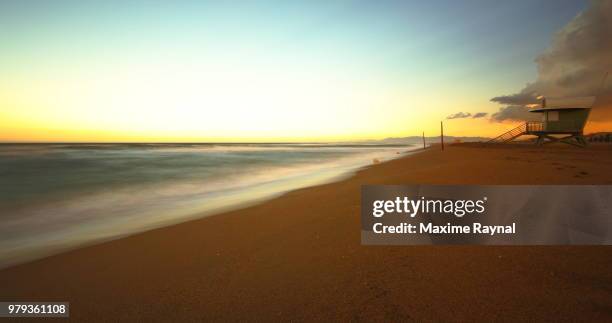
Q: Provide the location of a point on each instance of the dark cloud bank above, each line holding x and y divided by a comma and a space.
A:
574, 65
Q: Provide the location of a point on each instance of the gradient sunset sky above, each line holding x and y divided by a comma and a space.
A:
263, 70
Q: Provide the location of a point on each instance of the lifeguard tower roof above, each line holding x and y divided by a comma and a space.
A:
552, 104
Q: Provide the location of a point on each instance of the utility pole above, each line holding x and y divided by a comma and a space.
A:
423, 139
442, 134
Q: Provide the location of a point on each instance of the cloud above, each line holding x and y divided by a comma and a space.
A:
514, 112
459, 115
518, 98
463, 115
574, 65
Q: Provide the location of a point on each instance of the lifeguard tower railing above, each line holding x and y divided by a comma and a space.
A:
534, 127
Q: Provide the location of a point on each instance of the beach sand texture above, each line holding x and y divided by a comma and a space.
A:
298, 257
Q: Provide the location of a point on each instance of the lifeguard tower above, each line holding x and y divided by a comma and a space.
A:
563, 120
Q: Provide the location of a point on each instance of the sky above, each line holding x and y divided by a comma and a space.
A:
264, 70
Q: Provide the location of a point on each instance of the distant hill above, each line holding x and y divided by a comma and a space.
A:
418, 140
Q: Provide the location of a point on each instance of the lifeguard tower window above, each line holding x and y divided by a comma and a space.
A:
552, 116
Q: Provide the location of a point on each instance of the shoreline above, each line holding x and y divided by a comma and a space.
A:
298, 256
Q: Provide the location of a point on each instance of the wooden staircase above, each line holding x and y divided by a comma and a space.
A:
510, 135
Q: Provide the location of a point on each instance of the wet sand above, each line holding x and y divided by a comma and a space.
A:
298, 257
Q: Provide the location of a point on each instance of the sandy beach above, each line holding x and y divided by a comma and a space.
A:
299, 257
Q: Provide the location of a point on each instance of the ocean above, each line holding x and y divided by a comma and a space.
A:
56, 197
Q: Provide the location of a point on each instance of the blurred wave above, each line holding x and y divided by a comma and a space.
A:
58, 196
